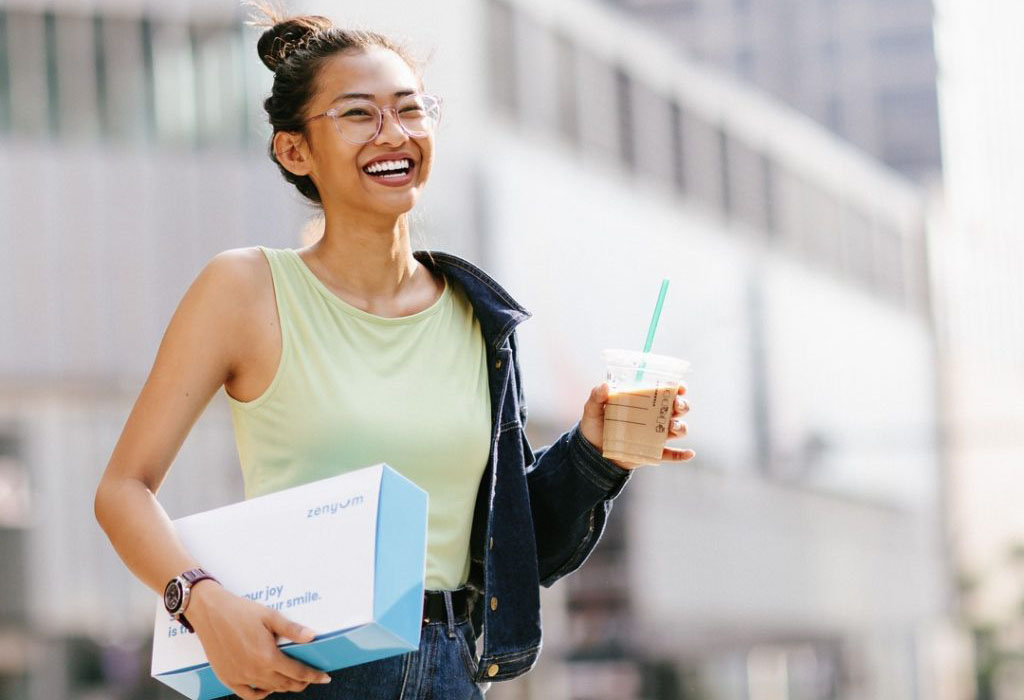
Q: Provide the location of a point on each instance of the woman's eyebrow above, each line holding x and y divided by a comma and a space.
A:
368, 96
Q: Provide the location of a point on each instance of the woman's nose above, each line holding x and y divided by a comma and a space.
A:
391, 130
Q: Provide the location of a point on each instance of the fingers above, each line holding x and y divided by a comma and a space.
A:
594, 408
285, 666
283, 627
681, 407
248, 693
671, 454
676, 429
297, 671
283, 684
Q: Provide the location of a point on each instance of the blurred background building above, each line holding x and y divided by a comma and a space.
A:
801, 555
977, 258
864, 69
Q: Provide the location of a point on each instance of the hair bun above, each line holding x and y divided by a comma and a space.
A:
287, 36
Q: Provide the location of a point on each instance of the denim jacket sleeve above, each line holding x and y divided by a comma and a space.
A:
571, 491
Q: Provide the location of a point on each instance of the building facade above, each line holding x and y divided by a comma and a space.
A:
977, 257
581, 161
864, 69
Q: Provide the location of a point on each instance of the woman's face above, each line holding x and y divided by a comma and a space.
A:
338, 166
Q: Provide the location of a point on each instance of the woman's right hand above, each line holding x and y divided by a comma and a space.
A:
239, 637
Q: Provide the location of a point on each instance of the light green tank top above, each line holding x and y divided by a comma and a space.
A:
354, 389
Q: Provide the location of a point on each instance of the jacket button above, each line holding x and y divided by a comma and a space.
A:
490, 545
497, 364
492, 670
494, 602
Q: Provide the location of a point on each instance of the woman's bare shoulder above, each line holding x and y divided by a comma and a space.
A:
238, 267
240, 289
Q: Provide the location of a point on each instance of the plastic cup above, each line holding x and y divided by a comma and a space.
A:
640, 405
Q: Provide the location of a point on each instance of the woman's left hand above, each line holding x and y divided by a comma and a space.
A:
592, 425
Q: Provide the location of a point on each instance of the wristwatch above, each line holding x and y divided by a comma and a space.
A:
178, 591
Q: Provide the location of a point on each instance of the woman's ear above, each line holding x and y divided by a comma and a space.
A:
293, 152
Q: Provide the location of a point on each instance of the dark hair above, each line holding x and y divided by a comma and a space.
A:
295, 48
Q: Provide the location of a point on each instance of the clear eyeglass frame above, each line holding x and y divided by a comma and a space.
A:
432, 105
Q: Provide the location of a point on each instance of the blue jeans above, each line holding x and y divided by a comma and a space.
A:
441, 669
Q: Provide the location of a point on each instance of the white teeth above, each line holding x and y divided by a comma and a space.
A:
385, 165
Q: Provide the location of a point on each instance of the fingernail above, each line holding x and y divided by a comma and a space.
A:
324, 679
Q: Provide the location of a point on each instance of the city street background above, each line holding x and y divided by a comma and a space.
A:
833, 188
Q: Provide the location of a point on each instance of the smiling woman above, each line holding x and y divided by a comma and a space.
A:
352, 351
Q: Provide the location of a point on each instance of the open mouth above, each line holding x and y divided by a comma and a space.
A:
389, 169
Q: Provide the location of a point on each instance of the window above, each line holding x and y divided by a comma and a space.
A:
744, 180
502, 47
220, 92
821, 235
567, 88
745, 63
126, 102
702, 161
908, 121
724, 174
624, 111
536, 53
678, 146
768, 194
5, 76
889, 264
174, 90
77, 110
858, 246
26, 54
598, 105
654, 134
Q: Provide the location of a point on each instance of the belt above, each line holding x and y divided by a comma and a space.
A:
434, 609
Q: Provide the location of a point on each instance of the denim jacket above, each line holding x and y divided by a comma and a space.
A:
561, 494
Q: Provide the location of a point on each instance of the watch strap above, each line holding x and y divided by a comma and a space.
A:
188, 579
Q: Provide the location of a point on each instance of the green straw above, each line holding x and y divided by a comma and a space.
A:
653, 327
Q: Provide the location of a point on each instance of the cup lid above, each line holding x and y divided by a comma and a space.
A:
650, 361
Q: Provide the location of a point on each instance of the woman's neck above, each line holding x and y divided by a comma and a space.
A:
374, 263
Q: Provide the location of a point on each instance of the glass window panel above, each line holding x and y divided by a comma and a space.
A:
28, 76
889, 264
598, 106
653, 134
125, 77
702, 162
822, 238
746, 184
536, 53
678, 147
858, 246
78, 112
5, 80
220, 90
502, 47
788, 208
624, 98
568, 115
174, 84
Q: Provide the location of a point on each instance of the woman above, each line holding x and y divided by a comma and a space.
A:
352, 351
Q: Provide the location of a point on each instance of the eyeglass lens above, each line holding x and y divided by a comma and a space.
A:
358, 121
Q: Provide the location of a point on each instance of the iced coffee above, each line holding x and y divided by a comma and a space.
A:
640, 405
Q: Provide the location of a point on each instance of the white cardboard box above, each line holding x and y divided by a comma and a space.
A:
344, 556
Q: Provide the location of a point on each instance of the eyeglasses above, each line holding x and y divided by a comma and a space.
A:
360, 121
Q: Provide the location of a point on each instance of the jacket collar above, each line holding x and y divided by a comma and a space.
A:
496, 310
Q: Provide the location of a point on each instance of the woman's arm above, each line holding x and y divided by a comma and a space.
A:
572, 485
200, 348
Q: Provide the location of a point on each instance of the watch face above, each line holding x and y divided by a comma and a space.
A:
172, 596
